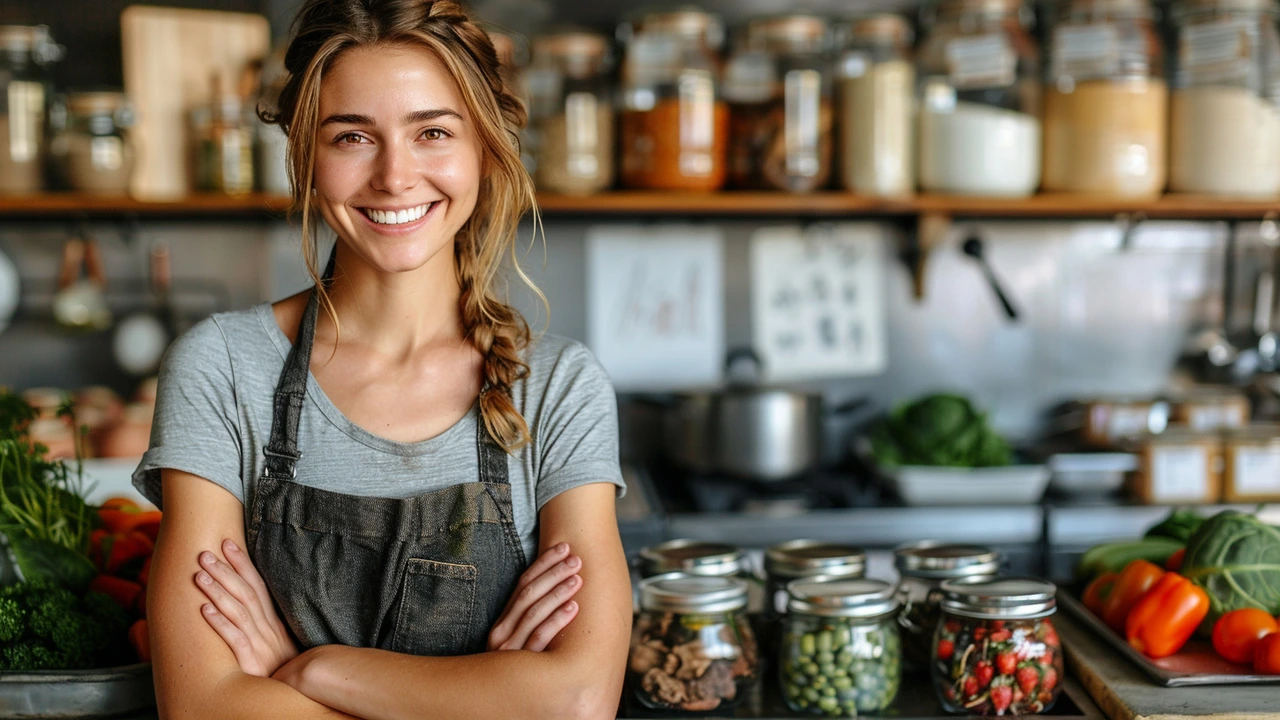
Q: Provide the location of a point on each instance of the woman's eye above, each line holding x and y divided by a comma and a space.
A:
435, 133
349, 139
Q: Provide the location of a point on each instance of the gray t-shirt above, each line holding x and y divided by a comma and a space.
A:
213, 419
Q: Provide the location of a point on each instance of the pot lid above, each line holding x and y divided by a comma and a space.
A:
693, 557
828, 597
932, 559
809, 558
1014, 598
680, 593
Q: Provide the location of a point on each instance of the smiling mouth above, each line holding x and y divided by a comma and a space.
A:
398, 217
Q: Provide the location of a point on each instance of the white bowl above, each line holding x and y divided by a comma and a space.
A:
1010, 485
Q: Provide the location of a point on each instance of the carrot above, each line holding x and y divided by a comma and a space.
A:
147, 523
126, 548
140, 639
124, 592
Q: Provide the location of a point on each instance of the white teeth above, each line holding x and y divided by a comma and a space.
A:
394, 217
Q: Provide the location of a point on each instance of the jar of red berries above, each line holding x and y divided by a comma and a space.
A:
996, 651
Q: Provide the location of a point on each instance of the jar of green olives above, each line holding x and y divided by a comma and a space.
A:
841, 655
996, 651
923, 566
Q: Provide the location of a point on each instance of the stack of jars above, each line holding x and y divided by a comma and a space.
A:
571, 112
27, 56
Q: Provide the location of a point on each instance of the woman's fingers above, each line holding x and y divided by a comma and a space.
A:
227, 604
239, 643
529, 593
530, 621
545, 562
244, 568
551, 627
235, 585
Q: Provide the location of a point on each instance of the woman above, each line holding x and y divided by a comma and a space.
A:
388, 491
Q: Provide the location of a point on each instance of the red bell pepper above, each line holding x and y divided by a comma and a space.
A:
1166, 617
1097, 591
124, 592
1135, 580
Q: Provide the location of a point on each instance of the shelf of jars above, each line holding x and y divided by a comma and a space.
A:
76, 205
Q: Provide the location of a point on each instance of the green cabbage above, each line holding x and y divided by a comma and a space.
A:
938, 430
1236, 558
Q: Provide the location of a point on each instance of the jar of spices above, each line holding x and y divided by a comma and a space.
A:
222, 134
802, 559
691, 647
27, 55
841, 655
1252, 464
1209, 409
923, 566
1106, 101
92, 151
781, 117
996, 651
1180, 465
980, 100
1110, 422
674, 124
1225, 124
571, 112
876, 88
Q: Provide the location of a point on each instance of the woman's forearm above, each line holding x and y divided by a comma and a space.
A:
243, 697
382, 685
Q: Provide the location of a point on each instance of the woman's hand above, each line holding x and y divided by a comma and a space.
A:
540, 607
241, 612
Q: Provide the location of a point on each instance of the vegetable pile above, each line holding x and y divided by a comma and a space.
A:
72, 576
998, 667
938, 430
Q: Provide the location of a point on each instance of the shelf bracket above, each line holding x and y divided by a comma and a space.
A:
930, 230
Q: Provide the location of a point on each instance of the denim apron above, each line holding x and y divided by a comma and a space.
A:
425, 575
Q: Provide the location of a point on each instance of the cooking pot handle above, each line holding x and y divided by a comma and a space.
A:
850, 406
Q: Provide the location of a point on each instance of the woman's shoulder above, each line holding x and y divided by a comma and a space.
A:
219, 338
559, 364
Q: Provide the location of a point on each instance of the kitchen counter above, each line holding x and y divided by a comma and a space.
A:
1123, 692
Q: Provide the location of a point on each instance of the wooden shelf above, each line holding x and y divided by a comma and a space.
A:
723, 204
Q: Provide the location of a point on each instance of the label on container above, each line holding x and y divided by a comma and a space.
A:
1128, 422
1214, 417
1217, 50
1256, 471
982, 61
1179, 473
1085, 51
26, 120
697, 92
802, 90
582, 136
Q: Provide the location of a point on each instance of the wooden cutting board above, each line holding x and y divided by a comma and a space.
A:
170, 57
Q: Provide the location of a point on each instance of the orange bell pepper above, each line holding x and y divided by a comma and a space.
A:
1097, 591
1135, 580
124, 592
1174, 563
125, 548
1166, 617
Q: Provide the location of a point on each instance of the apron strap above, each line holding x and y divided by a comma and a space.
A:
493, 459
282, 450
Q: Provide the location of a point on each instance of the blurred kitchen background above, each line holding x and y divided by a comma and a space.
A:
849, 211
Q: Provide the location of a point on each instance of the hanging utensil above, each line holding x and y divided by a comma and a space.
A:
141, 338
79, 303
10, 290
973, 247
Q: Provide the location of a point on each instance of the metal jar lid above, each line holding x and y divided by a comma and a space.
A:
839, 597
679, 593
692, 557
1016, 598
793, 33
1193, 7
936, 560
810, 558
887, 28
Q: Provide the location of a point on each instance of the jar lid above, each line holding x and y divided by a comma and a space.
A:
789, 32
882, 27
693, 557
955, 8
688, 22
1188, 7
839, 597
680, 593
932, 559
809, 558
97, 102
1013, 598
1127, 8
23, 38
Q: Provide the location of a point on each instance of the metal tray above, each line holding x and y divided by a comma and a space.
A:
1195, 664
100, 693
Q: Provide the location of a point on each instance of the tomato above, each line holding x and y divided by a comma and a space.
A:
1237, 632
1266, 655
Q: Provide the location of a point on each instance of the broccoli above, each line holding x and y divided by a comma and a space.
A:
940, 429
46, 627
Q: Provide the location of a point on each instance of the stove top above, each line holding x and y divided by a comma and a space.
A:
682, 492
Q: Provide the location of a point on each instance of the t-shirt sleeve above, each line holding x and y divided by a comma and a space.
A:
195, 428
577, 437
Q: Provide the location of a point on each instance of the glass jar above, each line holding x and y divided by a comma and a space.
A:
1252, 464
693, 557
91, 150
674, 125
571, 112
979, 73
1207, 409
1106, 101
923, 566
1180, 465
1225, 124
27, 54
876, 81
691, 647
222, 135
841, 655
1112, 422
781, 119
803, 559
996, 651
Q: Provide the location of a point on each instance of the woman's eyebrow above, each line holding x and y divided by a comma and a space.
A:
410, 119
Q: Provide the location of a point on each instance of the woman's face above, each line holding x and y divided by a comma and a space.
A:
398, 161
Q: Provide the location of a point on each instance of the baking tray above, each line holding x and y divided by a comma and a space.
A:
1195, 664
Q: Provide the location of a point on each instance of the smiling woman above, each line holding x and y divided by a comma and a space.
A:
351, 535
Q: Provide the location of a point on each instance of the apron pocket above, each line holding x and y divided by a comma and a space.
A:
437, 602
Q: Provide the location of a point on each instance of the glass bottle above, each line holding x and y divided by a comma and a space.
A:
571, 112
876, 80
691, 647
93, 151
996, 651
223, 137
923, 566
27, 55
841, 655
979, 70
674, 125
1225, 123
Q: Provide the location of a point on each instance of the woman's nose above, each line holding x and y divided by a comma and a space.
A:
396, 170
